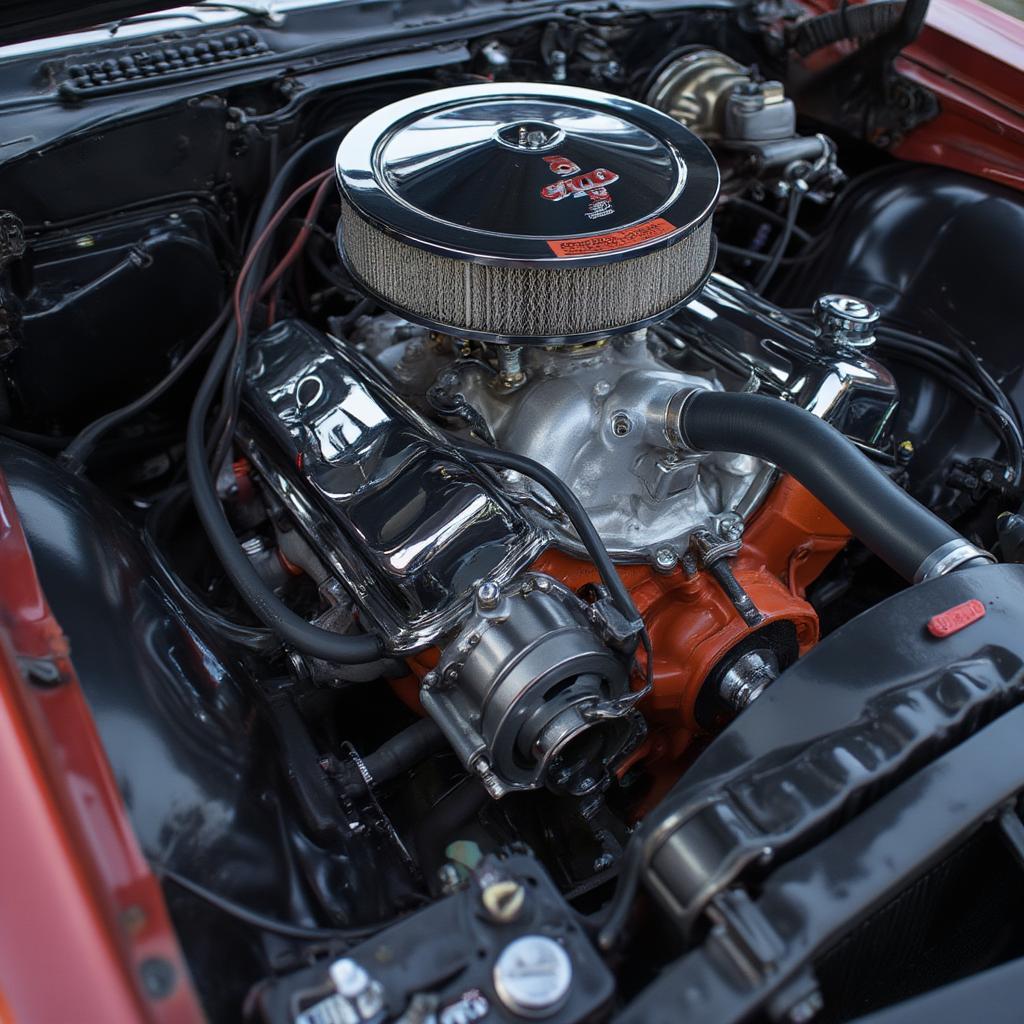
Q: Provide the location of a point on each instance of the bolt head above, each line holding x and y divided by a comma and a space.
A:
730, 527
511, 381
621, 424
158, 977
665, 559
349, 977
370, 1001
806, 1009
488, 594
449, 878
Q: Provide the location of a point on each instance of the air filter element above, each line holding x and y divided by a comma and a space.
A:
526, 213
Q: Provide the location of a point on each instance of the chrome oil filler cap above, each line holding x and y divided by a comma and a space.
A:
846, 322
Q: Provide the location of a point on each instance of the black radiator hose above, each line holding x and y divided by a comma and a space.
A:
908, 537
405, 750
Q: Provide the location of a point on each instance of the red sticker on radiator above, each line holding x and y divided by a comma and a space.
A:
952, 620
624, 239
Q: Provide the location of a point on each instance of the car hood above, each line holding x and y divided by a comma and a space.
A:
21, 20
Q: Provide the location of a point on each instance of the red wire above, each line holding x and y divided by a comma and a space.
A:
295, 249
272, 225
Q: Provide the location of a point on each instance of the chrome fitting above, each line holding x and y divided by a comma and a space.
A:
845, 321
674, 417
947, 557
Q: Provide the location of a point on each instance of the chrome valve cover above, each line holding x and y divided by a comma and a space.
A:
396, 513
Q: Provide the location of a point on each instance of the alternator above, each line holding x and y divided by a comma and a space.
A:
529, 695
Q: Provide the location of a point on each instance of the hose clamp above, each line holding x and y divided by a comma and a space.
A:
674, 417
947, 557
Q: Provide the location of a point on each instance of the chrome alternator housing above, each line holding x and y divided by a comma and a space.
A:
530, 695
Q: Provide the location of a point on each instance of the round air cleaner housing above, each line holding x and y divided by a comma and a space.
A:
526, 213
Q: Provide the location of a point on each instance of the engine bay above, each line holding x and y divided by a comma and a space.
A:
535, 479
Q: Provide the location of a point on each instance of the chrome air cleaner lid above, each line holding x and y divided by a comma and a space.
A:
526, 212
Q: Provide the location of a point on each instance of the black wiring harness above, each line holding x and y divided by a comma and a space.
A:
952, 363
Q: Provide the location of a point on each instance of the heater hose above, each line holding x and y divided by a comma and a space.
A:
908, 537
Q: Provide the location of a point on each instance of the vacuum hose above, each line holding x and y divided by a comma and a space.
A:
909, 538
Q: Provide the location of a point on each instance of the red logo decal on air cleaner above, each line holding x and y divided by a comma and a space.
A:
600, 203
580, 185
590, 186
561, 165
624, 239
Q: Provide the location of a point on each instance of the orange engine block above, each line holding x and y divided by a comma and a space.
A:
692, 623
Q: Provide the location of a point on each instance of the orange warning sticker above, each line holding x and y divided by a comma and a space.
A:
624, 239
